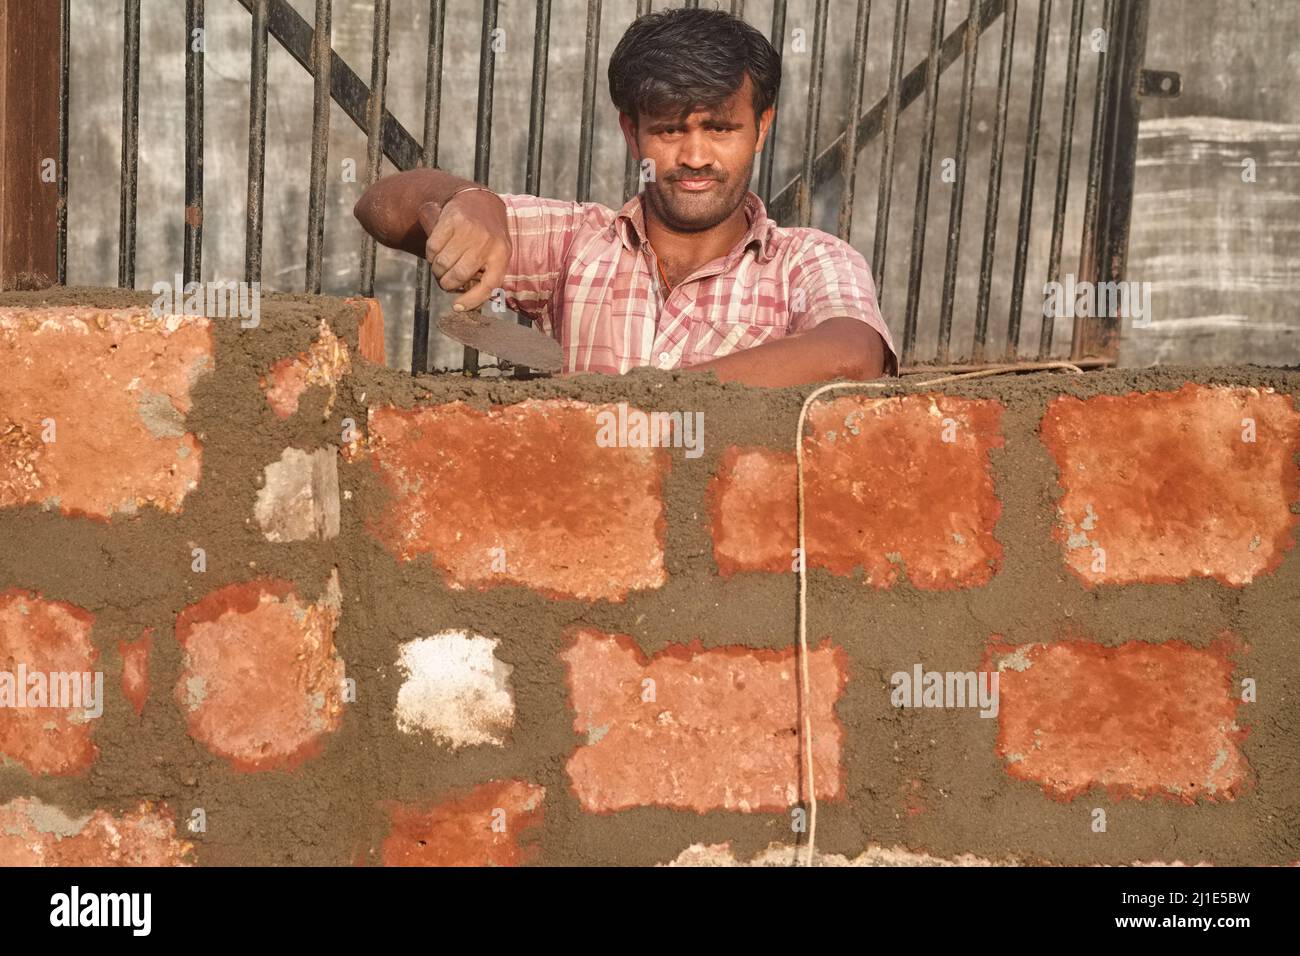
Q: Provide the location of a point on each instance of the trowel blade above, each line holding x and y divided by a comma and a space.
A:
504, 338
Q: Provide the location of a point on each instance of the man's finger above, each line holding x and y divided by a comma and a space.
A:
450, 254
493, 278
475, 295
465, 268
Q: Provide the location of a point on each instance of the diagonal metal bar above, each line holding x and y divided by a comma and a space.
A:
347, 89
827, 165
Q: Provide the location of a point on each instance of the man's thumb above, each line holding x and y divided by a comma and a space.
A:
429, 214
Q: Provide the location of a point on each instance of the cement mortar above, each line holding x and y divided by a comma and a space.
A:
135, 573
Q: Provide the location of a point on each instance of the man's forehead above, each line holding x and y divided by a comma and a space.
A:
731, 110
736, 108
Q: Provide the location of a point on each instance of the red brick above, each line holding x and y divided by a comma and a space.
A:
135, 669
574, 519
1139, 719
1165, 486
262, 683
33, 833
325, 364
370, 334
117, 383
460, 831
46, 637
754, 511
883, 491
721, 732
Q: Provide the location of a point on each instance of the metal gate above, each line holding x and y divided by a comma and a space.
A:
1121, 80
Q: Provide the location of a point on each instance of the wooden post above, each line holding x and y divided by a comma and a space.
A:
29, 142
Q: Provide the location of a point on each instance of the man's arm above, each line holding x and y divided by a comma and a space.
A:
836, 348
464, 238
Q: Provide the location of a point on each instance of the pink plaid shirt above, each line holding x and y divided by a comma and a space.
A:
588, 277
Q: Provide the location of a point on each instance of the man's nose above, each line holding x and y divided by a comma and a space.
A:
695, 152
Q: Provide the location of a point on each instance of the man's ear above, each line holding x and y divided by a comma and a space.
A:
764, 124
628, 125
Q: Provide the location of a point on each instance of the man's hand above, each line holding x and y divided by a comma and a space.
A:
468, 246
837, 348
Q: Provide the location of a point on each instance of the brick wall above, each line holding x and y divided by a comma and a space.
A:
345, 616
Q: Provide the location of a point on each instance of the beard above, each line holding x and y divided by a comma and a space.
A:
683, 211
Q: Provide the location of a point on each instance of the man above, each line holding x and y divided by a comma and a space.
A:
690, 273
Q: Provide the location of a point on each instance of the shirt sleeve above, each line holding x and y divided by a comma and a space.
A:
831, 279
542, 231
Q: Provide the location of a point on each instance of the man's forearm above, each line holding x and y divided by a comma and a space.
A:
838, 348
390, 209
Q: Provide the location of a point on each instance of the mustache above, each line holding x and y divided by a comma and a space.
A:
696, 174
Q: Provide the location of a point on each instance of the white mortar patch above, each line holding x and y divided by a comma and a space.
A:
455, 689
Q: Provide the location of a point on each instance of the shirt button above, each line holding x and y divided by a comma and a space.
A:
665, 359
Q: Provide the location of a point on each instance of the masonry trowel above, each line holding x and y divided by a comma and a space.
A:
500, 336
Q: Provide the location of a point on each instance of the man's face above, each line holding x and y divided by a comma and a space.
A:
702, 164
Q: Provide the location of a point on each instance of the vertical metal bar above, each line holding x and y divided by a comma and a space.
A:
586, 138
536, 118
320, 134
1063, 169
428, 158
256, 144
1027, 185
483, 125
920, 218
486, 76
738, 8
1100, 104
888, 142
972, 47
631, 169
375, 130
813, 120
849, 162
195, 41
537, 108
769, 146
65, 62
995, 182
130, 144
1126, 51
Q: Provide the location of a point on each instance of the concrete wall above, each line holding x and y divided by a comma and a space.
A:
438, 621
1218, 188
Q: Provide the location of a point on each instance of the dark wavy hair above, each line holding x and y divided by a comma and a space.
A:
679, 60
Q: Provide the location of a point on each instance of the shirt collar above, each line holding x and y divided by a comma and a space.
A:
630, 228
